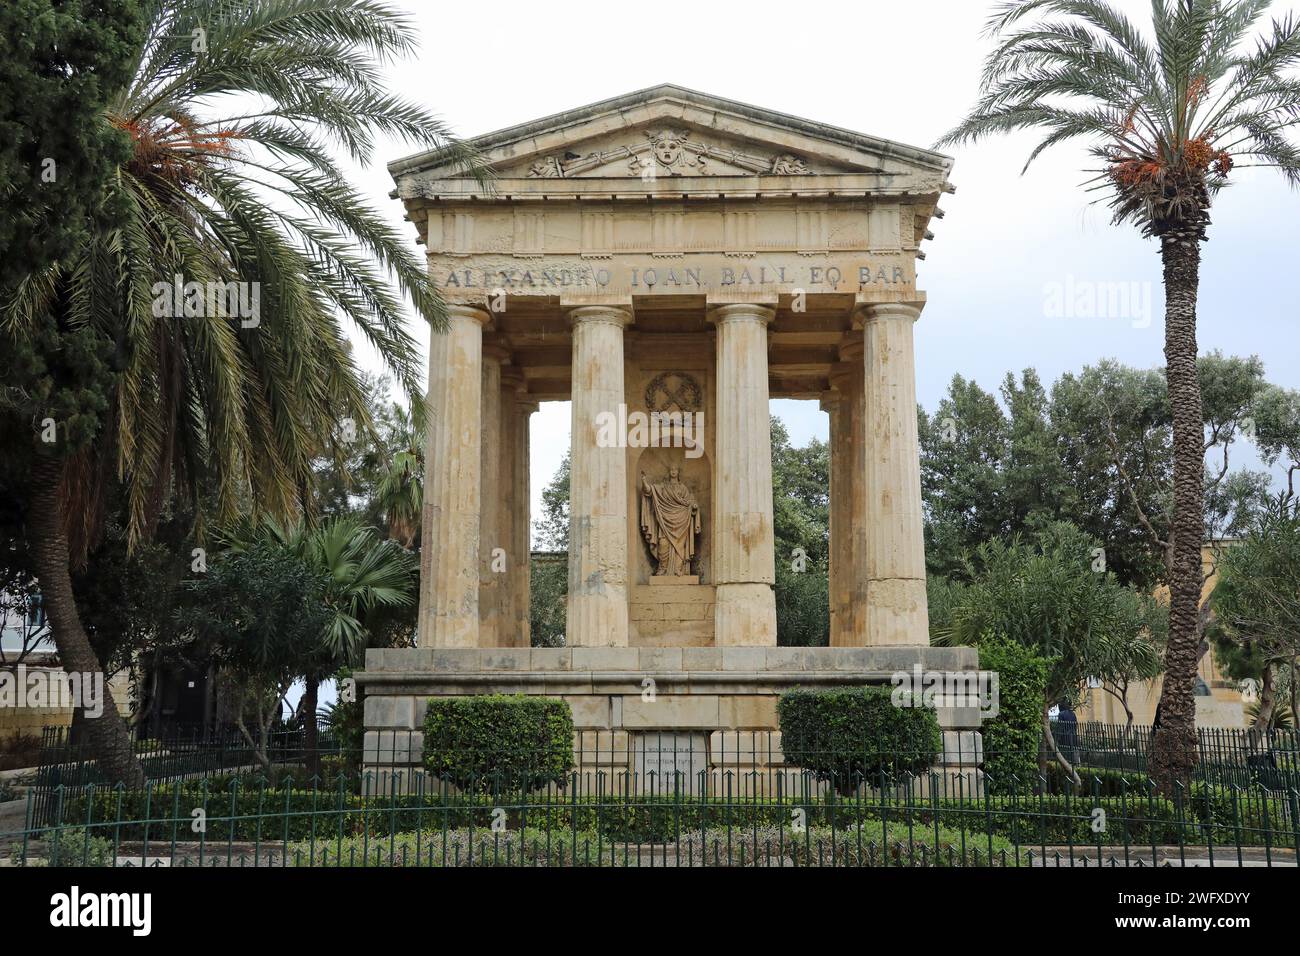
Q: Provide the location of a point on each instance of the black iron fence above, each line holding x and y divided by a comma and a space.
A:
1240, 756
674, 799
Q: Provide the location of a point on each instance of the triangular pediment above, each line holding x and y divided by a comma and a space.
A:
668, 148
668, 132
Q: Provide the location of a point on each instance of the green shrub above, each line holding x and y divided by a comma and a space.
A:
1011, 738
871, 843
66, 846
460, 847
498, 742
280, 818
853, 736
19, 751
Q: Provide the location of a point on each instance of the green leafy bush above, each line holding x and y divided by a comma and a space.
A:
283, 818
870, 844
66, 846
499, 742
460, 847
856, 736
1011, 738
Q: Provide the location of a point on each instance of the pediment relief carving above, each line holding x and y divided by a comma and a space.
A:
668, 151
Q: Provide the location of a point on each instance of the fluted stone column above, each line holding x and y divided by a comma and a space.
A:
491, 580
831, 405
856, 506
597, 608
836, 404
449, 574
515, 412
523, 529
743, 568
896, 603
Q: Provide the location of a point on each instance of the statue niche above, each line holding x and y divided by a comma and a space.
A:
670, 521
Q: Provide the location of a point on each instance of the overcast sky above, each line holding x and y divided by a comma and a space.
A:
903, 70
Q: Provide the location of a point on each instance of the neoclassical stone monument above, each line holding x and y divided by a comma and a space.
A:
667, 261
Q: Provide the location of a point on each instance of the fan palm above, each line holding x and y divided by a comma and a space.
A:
364, 577
1168, 114
362, 573
400, 492
234, 113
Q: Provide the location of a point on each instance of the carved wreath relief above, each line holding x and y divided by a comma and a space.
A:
668, 152
673, 392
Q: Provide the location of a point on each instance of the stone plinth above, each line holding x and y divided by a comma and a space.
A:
672, 615
725, 696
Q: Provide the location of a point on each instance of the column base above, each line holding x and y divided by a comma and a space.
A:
597, 620
744, 615
448, 631
897, 614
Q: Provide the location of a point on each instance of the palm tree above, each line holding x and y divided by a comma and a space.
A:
233, 113
1168, 119
365, 578
400, 492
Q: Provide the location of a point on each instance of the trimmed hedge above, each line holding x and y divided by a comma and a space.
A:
765, 846
1011, 739
278, 816
499, 742
855, 736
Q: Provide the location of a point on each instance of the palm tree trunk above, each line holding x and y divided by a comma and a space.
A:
1174, 750
1267, 700
310, 737
1295, 700
107, 738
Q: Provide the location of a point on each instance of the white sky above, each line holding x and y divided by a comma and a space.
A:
904, 70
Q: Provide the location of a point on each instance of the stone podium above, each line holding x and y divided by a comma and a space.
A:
667, 262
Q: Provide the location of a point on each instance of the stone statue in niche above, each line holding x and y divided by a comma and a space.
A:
670, 520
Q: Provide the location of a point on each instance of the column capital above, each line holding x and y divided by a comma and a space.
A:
842, 377
495, 353
513, 379
830, 400
741, 310
878, 311
458, 311
601, 313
